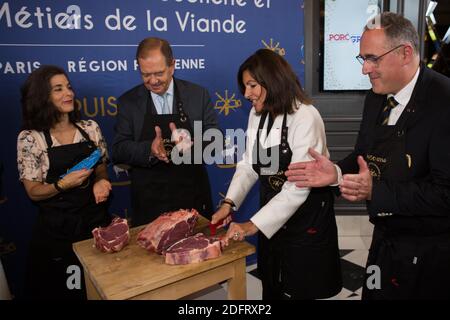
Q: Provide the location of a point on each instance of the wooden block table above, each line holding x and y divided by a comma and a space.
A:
135, 273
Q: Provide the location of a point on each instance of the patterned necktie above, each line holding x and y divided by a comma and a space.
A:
391, 104
165, 106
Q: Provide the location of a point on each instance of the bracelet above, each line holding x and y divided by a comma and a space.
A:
58, 187
228, 202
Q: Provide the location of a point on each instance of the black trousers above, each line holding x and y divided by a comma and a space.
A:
411, 267
47, 269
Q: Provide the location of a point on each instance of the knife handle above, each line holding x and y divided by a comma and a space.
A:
213, 227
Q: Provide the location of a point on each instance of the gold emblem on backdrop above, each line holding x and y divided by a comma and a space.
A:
225, 104
230, 151
275, 47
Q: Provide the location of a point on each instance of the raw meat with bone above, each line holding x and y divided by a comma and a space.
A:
193, 249
167, 229
113, 237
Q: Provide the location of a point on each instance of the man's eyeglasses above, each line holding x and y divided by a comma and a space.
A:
374, 59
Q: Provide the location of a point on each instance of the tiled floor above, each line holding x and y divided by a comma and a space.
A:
354, 241
352, 264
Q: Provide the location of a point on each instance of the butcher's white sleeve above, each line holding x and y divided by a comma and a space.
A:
245, 177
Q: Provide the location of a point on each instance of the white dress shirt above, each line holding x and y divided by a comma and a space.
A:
402, 97
158, 100
305, 130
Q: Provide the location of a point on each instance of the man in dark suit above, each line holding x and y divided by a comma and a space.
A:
400, 166
147, 116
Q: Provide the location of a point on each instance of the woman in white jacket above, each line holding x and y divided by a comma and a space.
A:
298, 256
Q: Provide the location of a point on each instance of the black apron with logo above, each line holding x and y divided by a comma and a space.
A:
301, 260
168, 186
411, 254
63, 219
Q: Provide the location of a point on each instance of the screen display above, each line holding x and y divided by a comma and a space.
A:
344, 22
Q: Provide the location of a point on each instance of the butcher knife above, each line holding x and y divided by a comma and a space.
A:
213, 227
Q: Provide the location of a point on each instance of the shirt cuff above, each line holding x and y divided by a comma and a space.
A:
339, 176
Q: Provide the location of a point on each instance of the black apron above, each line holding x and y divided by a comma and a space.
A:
301, 260
412, 255
63, 219
167, 186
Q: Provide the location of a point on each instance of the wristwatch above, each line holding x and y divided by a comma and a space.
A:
229, 202
57, 187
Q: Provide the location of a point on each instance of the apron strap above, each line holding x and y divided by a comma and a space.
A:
151, 109
179, 104
83, 133
48, 139
260, 126
284, 132
284, 135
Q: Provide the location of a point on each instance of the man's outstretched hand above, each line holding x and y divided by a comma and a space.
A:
319, 172
157, 148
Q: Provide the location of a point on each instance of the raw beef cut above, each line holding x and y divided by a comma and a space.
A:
113, 237
167, 229
193, 249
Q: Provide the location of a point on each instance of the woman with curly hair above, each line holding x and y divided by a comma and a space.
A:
70, 205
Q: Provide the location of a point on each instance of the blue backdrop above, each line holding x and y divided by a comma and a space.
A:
95, 41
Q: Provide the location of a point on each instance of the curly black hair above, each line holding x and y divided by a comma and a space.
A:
38, 112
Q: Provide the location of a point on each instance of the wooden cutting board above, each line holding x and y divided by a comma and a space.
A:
134, 271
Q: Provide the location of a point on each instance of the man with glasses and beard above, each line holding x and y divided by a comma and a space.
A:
400, 166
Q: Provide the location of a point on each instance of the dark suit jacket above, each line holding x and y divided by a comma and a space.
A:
427, 193
132, 106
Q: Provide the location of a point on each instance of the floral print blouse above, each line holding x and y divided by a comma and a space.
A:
32, 158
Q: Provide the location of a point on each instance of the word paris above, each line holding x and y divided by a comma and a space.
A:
218, 152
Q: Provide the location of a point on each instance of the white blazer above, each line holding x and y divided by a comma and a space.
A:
305, 129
